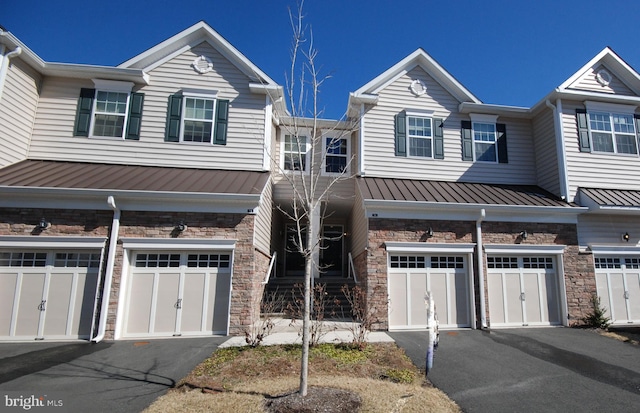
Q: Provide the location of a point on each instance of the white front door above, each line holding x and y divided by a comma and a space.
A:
47, 294
618, 286
445, 277
178, 293
523, 291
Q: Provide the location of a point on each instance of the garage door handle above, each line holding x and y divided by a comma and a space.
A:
41, 306
178, 303
522, 296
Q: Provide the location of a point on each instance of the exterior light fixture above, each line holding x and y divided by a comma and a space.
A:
43, 224
523, 234
429, 232
181, 226
626, 236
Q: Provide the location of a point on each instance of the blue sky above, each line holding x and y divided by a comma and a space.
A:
506, 52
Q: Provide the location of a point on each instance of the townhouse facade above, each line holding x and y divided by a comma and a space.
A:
153, 199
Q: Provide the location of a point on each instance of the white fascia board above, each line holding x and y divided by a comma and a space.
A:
79, 71
429, 247
604, 249
356, 99
500, 110
12, 241
178, 243
603, 97
128, 200
518, 249
469, 212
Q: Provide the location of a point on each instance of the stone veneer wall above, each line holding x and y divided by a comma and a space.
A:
250, 265
578, 268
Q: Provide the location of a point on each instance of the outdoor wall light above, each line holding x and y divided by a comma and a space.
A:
429, 232
626, 236
523, 234
43, 224
181, 226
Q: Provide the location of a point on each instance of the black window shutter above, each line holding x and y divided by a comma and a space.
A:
222, 121
467, 140
501, 130
438, 138
583, 130
83, 114
135, 116
401, 134
174, 111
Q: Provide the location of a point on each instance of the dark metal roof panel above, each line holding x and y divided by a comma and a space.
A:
456, 192
613, 197
77, 175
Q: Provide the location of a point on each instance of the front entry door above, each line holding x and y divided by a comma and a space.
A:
331, 251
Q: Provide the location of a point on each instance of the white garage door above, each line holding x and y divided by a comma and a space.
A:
523, 291
47, 294
178, 293
618, 285
411, 276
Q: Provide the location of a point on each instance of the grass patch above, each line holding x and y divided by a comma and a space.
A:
241, 379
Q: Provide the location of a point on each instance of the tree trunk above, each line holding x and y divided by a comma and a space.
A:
306, 317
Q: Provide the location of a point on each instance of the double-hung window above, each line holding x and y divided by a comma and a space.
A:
483, 139
608, 128
197, 116
109, 110
420, 137
418, 134
613, 132
294, 153
337, 151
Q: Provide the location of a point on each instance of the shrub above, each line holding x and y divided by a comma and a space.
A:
597, 317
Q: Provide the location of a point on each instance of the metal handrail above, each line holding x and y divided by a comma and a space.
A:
272, 263
352, 269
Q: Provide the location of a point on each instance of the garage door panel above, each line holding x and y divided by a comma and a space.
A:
418, 285
398, 315
461, 296
8, 283
29, 304
194, 296
221, 287
166, 303
633, 287
533, 290
618, 302
84, 304
496, 298
552, 293
514, 301
140, 303
58, 304
602, 289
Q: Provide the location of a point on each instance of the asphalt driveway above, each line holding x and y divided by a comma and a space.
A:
121, 376
531, 370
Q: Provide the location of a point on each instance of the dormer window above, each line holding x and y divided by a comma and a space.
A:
110, 113
483, 139
197, 116
420, 133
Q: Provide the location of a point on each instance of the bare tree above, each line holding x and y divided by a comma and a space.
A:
311, 189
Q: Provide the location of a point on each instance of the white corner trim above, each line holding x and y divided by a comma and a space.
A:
113, 85
523, 249
14, 241
178, 243
427, 247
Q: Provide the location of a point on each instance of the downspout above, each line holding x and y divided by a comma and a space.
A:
560, 149
111, 256
4, 66
361, 165
483, 313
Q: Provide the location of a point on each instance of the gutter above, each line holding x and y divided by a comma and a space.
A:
4, 66
560, 149
106, 290
483, 313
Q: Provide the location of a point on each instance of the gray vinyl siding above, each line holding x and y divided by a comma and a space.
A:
17, 112
359, 226
589, 82
607, 229
593, 169
546, 151
53, 133
263, 222
379, 140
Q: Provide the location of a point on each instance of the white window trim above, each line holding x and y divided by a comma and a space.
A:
602, 110
102, 85
303, 134
424, 248
610, 107
347, 156
415, 113
14, 242
178, 244
198, 94
508, 249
